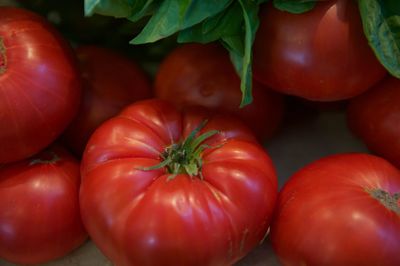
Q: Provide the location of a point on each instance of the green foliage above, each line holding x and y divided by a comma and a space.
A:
235, 22
295, 6
381, 21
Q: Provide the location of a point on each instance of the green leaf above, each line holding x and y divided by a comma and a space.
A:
142, 8
225, 23
240, 48
294, 6
235, 44
381, 22
175, 15
116, 8
243, 63
130, 9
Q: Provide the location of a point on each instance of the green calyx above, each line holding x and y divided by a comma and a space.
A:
3, 59
185, 157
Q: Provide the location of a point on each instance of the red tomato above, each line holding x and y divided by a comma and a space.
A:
196, 74
340, 210
111, 82
39, 84
319, 55
39, 208
375, 118
166, 216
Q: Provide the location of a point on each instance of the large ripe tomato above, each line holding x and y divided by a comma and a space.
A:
204, 207
39, 84
196, 74
340, 210
111, 81
318, 55
39, 208
375, 118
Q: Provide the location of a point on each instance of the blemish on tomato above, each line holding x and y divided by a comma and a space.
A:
3, 58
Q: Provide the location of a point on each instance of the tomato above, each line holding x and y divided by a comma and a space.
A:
39, 84
209, 206
196, 74
375, 118
339, 210
39, 208
111, 81
319, 55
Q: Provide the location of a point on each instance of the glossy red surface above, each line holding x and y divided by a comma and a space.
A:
318, 55
139, 217
326, 215
39, 84
375, 118
39, 209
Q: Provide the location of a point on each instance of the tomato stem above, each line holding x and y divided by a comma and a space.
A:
47, 157
3, 59
390, 201
185, 157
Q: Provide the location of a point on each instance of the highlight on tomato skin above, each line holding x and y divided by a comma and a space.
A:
111, 81
39, 84
320, 55
203, 75
343, 209
209, 202
39, 208
375, 118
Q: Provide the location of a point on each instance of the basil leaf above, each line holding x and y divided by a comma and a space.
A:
142, 8
175, 15
225, 23
234, 44
130, 9
294, 6
116, 8
381, 22
251, 23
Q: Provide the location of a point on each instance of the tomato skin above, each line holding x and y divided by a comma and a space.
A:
39, 209
203, 75
326, 216
375, 117
320, 55
111, 82
139, 217
39, 84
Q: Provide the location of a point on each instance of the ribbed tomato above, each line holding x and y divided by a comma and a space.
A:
39, 208
339, 210
208, 203
39, 84
318, 55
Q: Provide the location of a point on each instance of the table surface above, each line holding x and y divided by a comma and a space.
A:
303, 139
